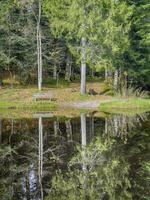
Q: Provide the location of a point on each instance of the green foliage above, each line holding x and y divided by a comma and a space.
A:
138, 56
105, 25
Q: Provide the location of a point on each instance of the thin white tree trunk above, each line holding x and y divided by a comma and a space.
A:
39, 47
40, 171
83, 67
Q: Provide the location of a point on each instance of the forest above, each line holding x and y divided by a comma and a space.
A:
43, 40
74, 99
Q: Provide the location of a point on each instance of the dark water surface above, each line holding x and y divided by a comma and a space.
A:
82, 158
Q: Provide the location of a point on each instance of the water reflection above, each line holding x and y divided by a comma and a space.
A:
120, 125
40, 170
86, 157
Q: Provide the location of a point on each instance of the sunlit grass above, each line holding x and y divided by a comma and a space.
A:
126, 105
28, 105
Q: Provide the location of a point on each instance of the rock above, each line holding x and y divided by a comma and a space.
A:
74, 90
92, 92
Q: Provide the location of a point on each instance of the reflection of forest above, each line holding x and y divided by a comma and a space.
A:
121, 125
33, 150
30, 152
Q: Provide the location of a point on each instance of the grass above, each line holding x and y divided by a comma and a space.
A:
20, 98
32, 106
126, 105
24, 95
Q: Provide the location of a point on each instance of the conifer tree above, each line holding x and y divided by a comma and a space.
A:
90, 23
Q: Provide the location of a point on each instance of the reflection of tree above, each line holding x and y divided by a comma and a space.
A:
104, 175
106, 168
69, 130
114, 170
120, 125
29, 161
40, 171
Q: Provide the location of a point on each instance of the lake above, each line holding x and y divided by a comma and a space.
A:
89, 157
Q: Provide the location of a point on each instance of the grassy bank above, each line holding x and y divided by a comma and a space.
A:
126, 105
31, 106
22, 97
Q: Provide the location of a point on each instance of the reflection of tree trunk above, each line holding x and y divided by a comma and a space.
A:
115, 125
69, 130
83, 137
56, 128
84, 142
106, 126
12, 161
12, 130
83, 129
40, 172
116, 80
0, 130
91, 126
27, 184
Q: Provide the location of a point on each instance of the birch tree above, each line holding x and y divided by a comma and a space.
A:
39, 45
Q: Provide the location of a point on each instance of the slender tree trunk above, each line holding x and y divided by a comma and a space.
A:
55, 73
11, 78
39, 47
116, 80
68, 69
106, 74
83, 67
9, 57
